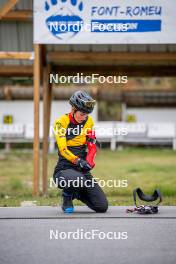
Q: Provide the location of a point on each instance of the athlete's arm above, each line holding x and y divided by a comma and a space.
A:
60, 127
91, 145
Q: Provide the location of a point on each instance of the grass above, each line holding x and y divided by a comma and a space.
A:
147, 168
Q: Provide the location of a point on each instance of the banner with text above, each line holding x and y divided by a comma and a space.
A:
104, 21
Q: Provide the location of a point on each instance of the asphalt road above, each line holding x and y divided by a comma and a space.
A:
43, 235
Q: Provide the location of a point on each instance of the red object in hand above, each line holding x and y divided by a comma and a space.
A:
92, 150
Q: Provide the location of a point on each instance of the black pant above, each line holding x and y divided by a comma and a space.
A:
83, 187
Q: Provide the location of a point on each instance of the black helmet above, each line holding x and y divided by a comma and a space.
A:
82, 102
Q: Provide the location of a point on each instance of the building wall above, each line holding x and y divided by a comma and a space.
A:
152, 114
22, 111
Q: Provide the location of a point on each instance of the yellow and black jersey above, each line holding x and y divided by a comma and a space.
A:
71, 139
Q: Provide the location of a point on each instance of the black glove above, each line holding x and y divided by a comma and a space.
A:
83, 164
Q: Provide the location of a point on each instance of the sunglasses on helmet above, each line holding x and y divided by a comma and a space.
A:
89, 104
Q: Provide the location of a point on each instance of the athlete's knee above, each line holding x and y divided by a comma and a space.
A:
101, 208
59, 180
